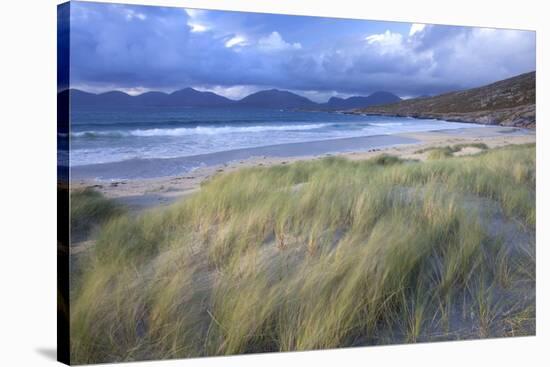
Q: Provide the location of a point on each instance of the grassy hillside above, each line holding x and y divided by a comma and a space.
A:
509, 102
317, 254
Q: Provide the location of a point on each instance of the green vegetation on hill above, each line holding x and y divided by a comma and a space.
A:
509, 102
319, 254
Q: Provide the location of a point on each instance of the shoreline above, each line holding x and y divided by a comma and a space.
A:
484, 118
145, 193
177, 166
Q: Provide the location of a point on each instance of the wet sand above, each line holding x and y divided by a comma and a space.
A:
152, 168
143, 193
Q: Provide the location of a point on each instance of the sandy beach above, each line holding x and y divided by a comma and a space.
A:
140, 194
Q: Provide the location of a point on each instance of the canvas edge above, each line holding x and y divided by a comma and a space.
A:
63, 223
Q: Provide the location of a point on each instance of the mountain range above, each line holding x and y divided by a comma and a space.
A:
375, 99
508, 102
189, 97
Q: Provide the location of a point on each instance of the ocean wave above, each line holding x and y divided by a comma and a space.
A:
98, 134
170, 123
386, 124
199, 130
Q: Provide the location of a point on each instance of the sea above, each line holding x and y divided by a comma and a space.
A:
118, 143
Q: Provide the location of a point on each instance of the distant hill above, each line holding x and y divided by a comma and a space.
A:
377, 98
189, 97
509, 102
192, 97
79, 97
274, 98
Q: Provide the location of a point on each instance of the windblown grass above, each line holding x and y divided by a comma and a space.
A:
90, 208
317, 254
455, 148
448, 151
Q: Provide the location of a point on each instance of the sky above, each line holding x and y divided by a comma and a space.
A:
136, 48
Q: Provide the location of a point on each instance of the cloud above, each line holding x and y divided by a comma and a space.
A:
197, 20
274, 42
194, 13
472, 56
234, 92
387, 42
136, 48
131, 15
197, 28
235, 41
415, 28
386, 39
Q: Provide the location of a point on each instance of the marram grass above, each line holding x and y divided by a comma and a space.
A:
89, 209
319, 254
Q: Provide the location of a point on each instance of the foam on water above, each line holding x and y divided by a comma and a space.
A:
195, 131
120, 135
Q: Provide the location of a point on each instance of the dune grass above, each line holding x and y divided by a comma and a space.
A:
448, 151
318, 254
90, 209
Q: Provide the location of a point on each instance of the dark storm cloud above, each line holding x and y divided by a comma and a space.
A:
142, 47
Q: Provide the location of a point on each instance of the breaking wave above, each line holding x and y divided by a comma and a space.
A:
199, 130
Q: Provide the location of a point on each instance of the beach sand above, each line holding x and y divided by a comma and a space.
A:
140, 194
